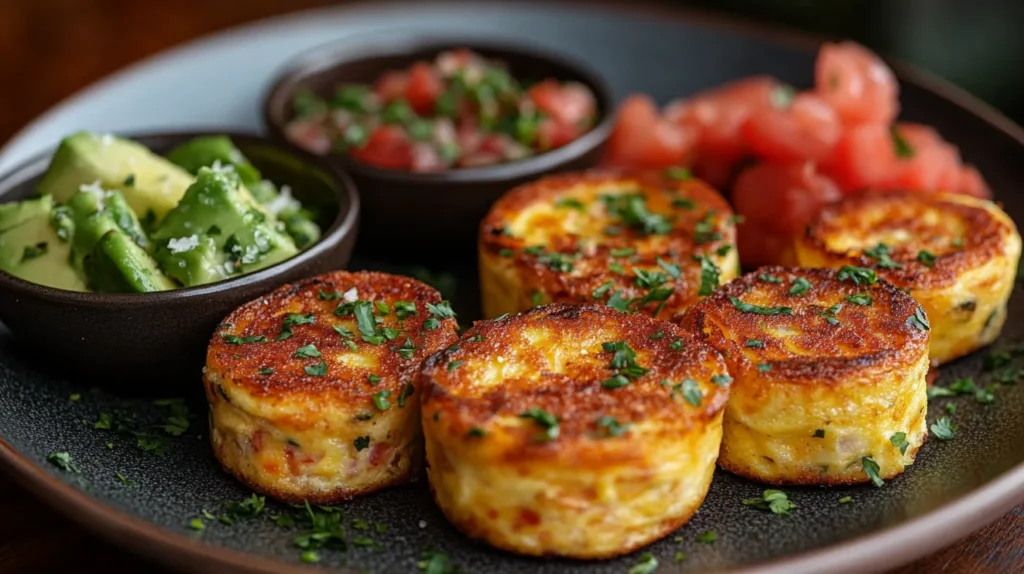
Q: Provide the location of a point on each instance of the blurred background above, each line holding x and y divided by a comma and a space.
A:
51, 48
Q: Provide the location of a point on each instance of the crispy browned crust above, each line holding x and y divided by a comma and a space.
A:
867, 337
983, 235
239, 366
810, 478
594, 265
454, 401
474, 530
329, 497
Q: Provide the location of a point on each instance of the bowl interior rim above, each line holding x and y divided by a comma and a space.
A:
342, 226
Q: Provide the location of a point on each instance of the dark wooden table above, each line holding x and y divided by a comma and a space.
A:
51, 48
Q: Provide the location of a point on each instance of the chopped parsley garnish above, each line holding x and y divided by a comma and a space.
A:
764, 367
721, 380
772, 500
476, 432
307, 352
571, 203
819, 433
506, 252
857, 275
800, 287
236, 340
602, 289
708, 537
830, 314
862, 299
871, 469
373, 378
899, 440
944, 429
536, 298
723, 250
611, 426
130, 180
361, 443
648, 564
454, 365
632, 210
545, 420
846, 500
678, 173
623, 365
709, 273
691, 392
618, 302
679, 556
328, 295
926, 258
624, 252
951, 408
438, 312
382, 307
407, 350
62, 460
757, 309
919, 320
768, 278
197, 524
880, 253
292, 320
900, 145
996, 360
683, 203
676, 345
380, 400
754, 344
704, 230
367, 324
672, 269
309, 556
266, 371
405, 309
316, 369
782, 96
657, 335
432, 562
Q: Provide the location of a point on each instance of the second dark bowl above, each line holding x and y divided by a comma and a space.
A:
427, 217
146, 337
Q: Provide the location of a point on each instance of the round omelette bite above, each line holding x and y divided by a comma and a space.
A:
653, 242
312, 388
829, 372
957, 255
575, 431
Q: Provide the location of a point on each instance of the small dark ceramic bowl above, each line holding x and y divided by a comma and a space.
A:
424, 217
163, 336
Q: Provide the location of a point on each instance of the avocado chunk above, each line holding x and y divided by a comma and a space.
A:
15, 213
34, 252
117, 264
218, 210
208, 151
95, 212
150, 183
220, 151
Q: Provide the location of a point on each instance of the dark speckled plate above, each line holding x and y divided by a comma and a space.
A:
954, 487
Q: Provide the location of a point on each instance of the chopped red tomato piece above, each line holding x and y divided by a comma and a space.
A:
864, 157
970, 182
391, 85
552, 133
309, 135
922, 160
777, 201
423, 88
857, 83
642, 139
571, 104
387, 147
719, 114
805, 129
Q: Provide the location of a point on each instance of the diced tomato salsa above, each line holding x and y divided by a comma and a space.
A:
461, 110
781, 154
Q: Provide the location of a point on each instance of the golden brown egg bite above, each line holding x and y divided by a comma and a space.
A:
956, 254
653, 242
313, 388
829, 370
575, 431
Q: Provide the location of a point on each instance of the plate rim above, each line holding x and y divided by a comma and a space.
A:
891, 547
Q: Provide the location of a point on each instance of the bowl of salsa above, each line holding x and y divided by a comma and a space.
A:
433, 131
